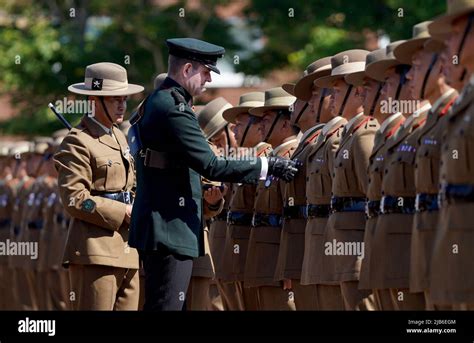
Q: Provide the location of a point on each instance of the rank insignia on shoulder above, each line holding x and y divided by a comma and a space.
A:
88, 205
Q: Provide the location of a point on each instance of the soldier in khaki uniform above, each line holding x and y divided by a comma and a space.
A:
24, 281
372, 97
95, 176
451, 281
239, 221
202, 291
249, 138
391, 254
346, 223
318, 186
428, 150
292, 241
33, 223
265, 234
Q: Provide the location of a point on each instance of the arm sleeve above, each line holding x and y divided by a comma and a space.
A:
199, 156
75, 178
363, 146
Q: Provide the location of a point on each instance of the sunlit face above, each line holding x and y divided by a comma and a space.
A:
455, 39
195, 78
116, 107
421, 61
337, 98
390, 86
370, 93
267, 122
254, 134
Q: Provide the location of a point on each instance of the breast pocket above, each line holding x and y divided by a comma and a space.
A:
109, 173
342, 171
402, 170
427, 162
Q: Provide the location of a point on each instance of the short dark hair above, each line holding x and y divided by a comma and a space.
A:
175, 63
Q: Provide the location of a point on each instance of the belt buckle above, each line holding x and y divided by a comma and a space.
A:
253, 220
367, 211
228, 219
126, 196
382, 205
417, 202
306, 211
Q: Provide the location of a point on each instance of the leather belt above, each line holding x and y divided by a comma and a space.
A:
391, 204
372, 208
294, 212
426, 202
239, 218
317, 211
35, 224
124, 197
160, 159
460, 193
347, 204
262, 219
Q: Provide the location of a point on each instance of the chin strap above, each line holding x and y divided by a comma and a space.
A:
324, 93
106, 110
376, 99
402, 70
279, 114
301, 113
427, 75
464, 36
251, 121
346, 97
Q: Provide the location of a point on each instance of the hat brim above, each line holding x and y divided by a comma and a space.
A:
259, 111
304, 87
356, 79
289, 88
328, 81
378, 70
231, 113
405, 51
443, 24
80, 88
212, 68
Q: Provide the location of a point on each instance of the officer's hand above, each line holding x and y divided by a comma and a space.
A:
214, 195
283, 168
128, 214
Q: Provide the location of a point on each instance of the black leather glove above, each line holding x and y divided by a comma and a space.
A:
283, 168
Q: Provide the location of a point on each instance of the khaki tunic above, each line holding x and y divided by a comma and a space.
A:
91, 162
452, 279
264, 241
392, 239
292, 240
349, 180
237, 236
318, 192
426, 181
374, 193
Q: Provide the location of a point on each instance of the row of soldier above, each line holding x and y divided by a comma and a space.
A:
377, 217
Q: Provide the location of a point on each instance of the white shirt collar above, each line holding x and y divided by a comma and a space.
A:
105, 128
387, 121
330, 124
283, 145
442, 98
353, 120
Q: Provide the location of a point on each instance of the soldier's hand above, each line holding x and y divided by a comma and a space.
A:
214, 195
128, 214
283, 168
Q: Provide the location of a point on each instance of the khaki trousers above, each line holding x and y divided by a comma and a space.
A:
203, 295
271, 298
330, 298
355, 298
306, 296
383, 300
403, 300
103, 288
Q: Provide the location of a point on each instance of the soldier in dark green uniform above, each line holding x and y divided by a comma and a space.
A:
166, 225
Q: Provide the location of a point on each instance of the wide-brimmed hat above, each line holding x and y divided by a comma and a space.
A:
378, 69
210, 117
357, 78
342, 64
456, 9
275, 99
246, 102
317, 69
405, 51
105, 79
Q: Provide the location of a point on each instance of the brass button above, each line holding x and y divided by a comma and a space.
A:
109, 163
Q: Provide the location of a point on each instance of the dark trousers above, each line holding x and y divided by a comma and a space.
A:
167, 277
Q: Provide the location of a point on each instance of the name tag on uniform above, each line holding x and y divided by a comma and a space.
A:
51, 199
406, 148
379, 158
31, 199
3, 200
429, 141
